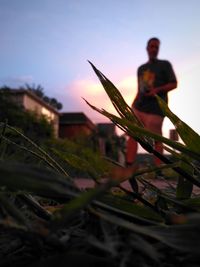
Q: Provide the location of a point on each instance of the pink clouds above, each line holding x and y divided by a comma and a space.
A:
128, 88
95, 94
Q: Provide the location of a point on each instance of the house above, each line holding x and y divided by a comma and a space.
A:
31, 102
74, 124
109, 142
106, 129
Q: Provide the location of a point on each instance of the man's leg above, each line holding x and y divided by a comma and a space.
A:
131, 151
132, 145
159, 148
154, 124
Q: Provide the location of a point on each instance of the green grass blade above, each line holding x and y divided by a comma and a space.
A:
118, 102
116, 98
36, 154
77, 162
21, 177
193, 202
70, 209
137, 132
13, 211
184, 188
187, 134
126, 208
45, 155
183, 237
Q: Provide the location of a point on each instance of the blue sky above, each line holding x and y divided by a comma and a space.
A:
48, 42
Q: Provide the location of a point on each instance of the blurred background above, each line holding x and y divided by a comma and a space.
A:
48, 43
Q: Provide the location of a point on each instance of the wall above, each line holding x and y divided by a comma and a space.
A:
70, 131
32, 105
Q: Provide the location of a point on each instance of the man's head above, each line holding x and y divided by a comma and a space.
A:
153, 48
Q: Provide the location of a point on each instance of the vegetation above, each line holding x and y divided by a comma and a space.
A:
46, 219
39, 91
36, 128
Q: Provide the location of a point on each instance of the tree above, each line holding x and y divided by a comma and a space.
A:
35, 128
39, 91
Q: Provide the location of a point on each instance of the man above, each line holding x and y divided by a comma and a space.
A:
156, 77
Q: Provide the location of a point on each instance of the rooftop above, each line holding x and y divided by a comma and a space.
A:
33, 96
68, 118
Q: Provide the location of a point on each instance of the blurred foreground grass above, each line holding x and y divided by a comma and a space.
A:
46, 219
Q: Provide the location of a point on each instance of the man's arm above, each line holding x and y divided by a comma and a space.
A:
171, 82
164, 88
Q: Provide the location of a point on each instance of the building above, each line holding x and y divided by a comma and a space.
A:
106, 129
173, 135
110, 144
31, 102
74, 124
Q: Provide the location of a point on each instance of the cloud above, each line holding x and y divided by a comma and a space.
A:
72, 96
128, 88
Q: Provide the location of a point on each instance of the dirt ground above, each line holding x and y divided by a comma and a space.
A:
84, 183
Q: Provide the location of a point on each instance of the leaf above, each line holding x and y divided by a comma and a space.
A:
180, 157
176, 203
80, 202
42, 153
193, 202
119, 103
77, 162
184, 237
184, 188
34, 206
13, 211
116, 98
140, 244
3, 131
137, 132
22, 177
124, 208
187, 134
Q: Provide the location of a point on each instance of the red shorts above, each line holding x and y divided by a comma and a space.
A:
151, 122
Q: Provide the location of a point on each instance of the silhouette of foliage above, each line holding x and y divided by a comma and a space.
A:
39, 91
36, 128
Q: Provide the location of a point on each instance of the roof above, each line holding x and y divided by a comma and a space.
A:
35, 97
68, 118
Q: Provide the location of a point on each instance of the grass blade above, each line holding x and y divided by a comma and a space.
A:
22, 177
187, 134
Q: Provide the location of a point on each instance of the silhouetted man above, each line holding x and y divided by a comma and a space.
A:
156, 77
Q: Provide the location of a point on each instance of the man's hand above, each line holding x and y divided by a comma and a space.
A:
152, 92
164, 88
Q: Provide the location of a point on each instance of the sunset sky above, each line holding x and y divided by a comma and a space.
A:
48, 42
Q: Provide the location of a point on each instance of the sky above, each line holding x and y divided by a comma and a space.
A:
49, 43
